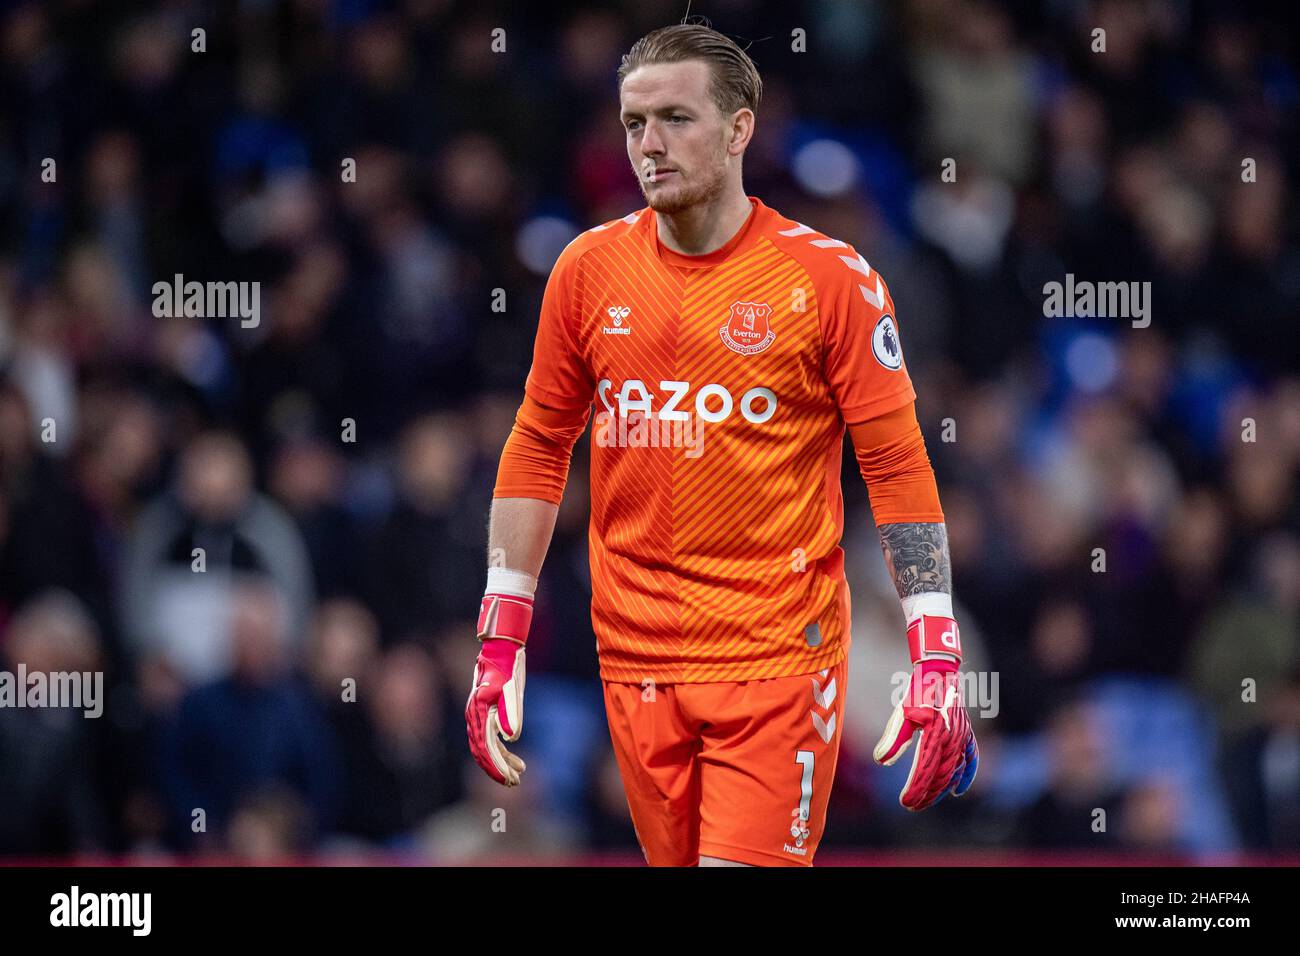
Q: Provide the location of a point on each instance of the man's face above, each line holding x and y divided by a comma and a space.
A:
677, 139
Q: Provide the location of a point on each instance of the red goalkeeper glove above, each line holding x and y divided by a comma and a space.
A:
495, 709
946, 756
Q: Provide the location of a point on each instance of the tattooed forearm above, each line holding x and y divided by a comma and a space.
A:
917, 557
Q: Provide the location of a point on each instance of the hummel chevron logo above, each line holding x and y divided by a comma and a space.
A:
825, 696
618, 313
877, 298
857, 264
825, 728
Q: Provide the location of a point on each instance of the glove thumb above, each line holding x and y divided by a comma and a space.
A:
512, 699
896, 739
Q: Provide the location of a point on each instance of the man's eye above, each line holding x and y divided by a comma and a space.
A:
632, 125
675, 118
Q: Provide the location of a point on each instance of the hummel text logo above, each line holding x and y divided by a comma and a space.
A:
618, 313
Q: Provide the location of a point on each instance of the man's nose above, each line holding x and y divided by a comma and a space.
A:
651, 143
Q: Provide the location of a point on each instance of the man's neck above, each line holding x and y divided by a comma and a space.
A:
702, 229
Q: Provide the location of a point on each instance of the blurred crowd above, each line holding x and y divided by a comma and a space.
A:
272, 539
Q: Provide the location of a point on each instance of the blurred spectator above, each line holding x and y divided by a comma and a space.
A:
611, 819
414, 761
978, 91
254, 729
307, 478
187, 547
269, 826
425, 567
1081, 807
49, 765
341, 656
1149, 817
45, 526
491, 822
391, 718
1244, 665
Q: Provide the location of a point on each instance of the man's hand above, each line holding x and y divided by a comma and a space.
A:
494, 711
946, 756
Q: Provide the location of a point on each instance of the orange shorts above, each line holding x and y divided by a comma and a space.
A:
739, 771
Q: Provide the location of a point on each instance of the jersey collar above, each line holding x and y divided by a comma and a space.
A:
745, 237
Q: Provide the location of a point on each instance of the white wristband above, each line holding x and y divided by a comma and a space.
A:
514, 583
935, 603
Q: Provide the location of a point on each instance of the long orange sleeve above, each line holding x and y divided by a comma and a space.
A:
535, 460
894, 464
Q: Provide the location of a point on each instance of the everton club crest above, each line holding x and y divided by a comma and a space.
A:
747, 330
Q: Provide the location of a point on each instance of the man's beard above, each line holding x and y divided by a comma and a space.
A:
699, 192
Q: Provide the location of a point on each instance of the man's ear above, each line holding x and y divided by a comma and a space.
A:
742, 131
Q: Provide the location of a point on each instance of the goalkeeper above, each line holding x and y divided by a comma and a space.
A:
725, 349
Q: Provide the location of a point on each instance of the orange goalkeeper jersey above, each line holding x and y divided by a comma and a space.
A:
721, 385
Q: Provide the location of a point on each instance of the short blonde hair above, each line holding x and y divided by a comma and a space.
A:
735, 82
